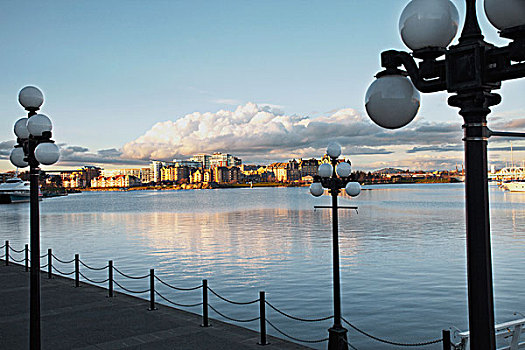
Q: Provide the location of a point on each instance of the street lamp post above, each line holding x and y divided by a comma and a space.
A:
335, 176
34, 147
470, 70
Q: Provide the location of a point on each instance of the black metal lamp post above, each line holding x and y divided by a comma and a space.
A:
335, 177
34, 147
469, 70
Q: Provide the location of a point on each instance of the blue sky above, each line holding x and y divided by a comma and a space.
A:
118, 75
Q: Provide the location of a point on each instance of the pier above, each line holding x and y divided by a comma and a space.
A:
86, 318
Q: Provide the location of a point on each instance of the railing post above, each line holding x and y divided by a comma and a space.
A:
77, 271
205, 304
152, 290
446, 340
26, 260
49, 262
110, 279
6, 253
262, 319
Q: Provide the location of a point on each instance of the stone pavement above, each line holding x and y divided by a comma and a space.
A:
84, 318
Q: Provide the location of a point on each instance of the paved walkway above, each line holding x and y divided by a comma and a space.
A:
84, 318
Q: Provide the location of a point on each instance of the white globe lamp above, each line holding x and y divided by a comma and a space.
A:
38, 124
343, 169
31, 97
392, 101
325, 170
47, 153
429, 23
505, 14
21, 128
17, 157
353, 189
333, 150
316, 189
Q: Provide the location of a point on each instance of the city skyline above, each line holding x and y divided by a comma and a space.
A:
126, 83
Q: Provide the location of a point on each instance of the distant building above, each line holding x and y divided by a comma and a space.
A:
188, 163
155, 169
203, 159
202, 175
121, 181
285, 172
224, 159
79, 178
146, 175
175, 173
308, 167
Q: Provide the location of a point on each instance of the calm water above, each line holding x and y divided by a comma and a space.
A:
402, 257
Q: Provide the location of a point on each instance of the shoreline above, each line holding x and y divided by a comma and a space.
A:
213, 186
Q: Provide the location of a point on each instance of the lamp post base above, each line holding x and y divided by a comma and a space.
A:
337, 338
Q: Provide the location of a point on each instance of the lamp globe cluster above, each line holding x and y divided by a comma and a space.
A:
331, 180
470, 70
427, 27
33, 132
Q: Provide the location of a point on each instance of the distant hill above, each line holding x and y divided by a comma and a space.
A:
389, 171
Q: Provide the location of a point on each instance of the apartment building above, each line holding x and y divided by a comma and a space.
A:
120, 181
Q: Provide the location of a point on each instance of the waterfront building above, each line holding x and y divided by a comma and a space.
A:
308, 167
175, 173
120, 181
155, 169
223, 174
224, 159
115, 172
80, 178
146, 175
186, 163
285, 172
203, 159
198, 175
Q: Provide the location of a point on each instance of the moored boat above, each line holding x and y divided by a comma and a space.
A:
514, 186
15, 190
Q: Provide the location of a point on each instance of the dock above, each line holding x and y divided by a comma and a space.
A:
85, 318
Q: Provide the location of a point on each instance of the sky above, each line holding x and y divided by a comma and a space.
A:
130, 81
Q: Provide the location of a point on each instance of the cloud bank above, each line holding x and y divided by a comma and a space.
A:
264, 132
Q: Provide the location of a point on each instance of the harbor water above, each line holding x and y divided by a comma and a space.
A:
403, 266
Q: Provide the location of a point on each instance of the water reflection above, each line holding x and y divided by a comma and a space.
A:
402, 256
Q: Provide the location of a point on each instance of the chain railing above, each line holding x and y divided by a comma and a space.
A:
263, 320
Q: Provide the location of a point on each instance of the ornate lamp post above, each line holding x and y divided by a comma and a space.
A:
335, 177
34, 147
470, 70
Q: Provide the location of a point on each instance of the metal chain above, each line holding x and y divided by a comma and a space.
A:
293, 338
177, 304
176, 288
16, 251
233, 319
232, 302
392, 342
297, 318
131, 291
92, 281
350, 345
128, 276
93, 268
15, 260
63, 273
62, 261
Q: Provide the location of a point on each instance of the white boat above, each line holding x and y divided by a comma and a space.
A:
14, 190
514, 186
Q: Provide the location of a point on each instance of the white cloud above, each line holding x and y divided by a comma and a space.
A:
264, 132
